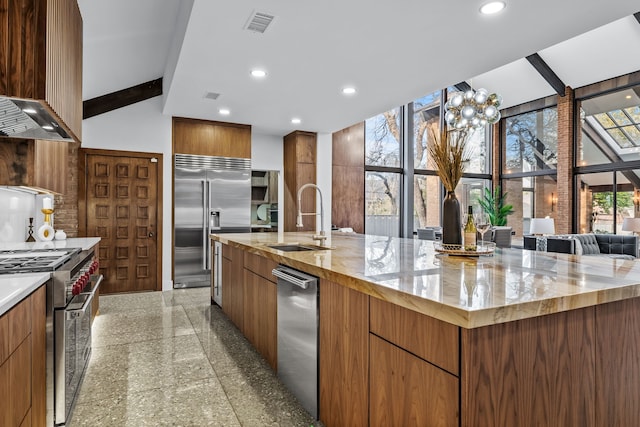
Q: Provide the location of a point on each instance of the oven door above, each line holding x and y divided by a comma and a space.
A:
72, 351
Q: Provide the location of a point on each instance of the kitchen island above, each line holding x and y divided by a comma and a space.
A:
411, 337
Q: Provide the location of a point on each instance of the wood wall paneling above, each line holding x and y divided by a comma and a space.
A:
299, 169
424, 336
208, 138
618, 363
344, 356
533, 372
41, 57
64, 63
348, 201
407, 391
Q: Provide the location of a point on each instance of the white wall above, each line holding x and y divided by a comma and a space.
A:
139, 127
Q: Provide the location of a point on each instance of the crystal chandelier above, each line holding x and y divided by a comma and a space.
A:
472, 109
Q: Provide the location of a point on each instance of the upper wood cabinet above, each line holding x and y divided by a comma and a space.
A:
41, 56
34, 163
299, 169
207, 138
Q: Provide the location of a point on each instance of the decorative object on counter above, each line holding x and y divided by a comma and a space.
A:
46, 231
60, 235
486, 248
494, 205
449, 155
30, 238
472, 109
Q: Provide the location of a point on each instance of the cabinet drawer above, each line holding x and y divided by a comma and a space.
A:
260, 265
428, 338
231, 253
15, 325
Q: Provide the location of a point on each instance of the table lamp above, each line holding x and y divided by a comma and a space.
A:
631, 224
539, 227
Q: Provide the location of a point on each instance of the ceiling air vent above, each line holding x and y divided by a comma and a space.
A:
258, 22
211, 95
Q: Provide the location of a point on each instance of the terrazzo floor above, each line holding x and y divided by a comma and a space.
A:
173, 359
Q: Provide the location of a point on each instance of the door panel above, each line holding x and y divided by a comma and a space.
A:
122, 209
230, 198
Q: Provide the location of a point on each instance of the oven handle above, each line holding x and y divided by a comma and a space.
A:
94, 283
72, 314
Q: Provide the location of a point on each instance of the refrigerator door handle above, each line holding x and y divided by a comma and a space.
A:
205, 224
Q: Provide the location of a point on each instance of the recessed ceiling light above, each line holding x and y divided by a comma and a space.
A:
296, 121
349, 90
47, 127
628, 97
492, 7
258, 73
224, 111
29, 110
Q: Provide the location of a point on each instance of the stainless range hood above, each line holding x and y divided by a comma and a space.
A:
29, 119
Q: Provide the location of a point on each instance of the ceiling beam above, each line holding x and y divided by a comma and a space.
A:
637, 15
463, 86
547, 73
112, 101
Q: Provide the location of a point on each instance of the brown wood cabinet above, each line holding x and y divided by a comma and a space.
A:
23, 362
41, 56
299, 169
34, 163
408, 391
260, 316
232, 285
344, 356
261, 306
208, 138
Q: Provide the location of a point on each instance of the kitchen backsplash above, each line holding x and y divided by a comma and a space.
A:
16, 207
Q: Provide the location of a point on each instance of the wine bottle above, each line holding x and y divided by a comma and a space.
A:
470, 232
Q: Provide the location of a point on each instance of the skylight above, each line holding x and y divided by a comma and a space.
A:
623, 125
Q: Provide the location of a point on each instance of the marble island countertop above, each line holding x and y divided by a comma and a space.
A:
466, 291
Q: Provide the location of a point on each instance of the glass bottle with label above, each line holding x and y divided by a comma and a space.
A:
470, 232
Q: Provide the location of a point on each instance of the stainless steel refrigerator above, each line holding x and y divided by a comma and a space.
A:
211, 195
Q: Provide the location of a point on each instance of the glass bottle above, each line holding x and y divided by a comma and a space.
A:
470, 232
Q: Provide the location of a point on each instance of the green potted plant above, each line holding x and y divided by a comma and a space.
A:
493, 203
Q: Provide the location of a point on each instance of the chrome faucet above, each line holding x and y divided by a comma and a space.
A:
321, 236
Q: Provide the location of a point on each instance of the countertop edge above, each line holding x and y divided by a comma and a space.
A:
467, 319
32, 281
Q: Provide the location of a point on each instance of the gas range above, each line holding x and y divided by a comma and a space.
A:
34, 260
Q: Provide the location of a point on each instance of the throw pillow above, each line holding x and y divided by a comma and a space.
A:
578, 246
589, 244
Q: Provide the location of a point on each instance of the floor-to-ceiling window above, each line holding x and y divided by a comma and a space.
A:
607, 154
383, 173
402, 190
529, 153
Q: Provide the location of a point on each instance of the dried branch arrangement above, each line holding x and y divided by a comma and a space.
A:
449, 155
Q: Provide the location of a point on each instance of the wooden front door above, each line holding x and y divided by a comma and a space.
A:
122, 192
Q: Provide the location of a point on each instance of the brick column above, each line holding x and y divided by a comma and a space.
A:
564, 214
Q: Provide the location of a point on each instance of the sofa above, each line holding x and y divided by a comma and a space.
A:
611, 245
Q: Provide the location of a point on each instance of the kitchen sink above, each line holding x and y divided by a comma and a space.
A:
295, 247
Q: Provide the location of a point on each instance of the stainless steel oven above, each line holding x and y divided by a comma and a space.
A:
70, 292
74, 286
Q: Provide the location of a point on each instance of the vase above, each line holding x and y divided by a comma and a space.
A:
451, 222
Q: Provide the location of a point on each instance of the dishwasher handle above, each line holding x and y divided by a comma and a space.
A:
294, 277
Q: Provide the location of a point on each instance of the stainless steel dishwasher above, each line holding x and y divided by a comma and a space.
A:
298, 335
